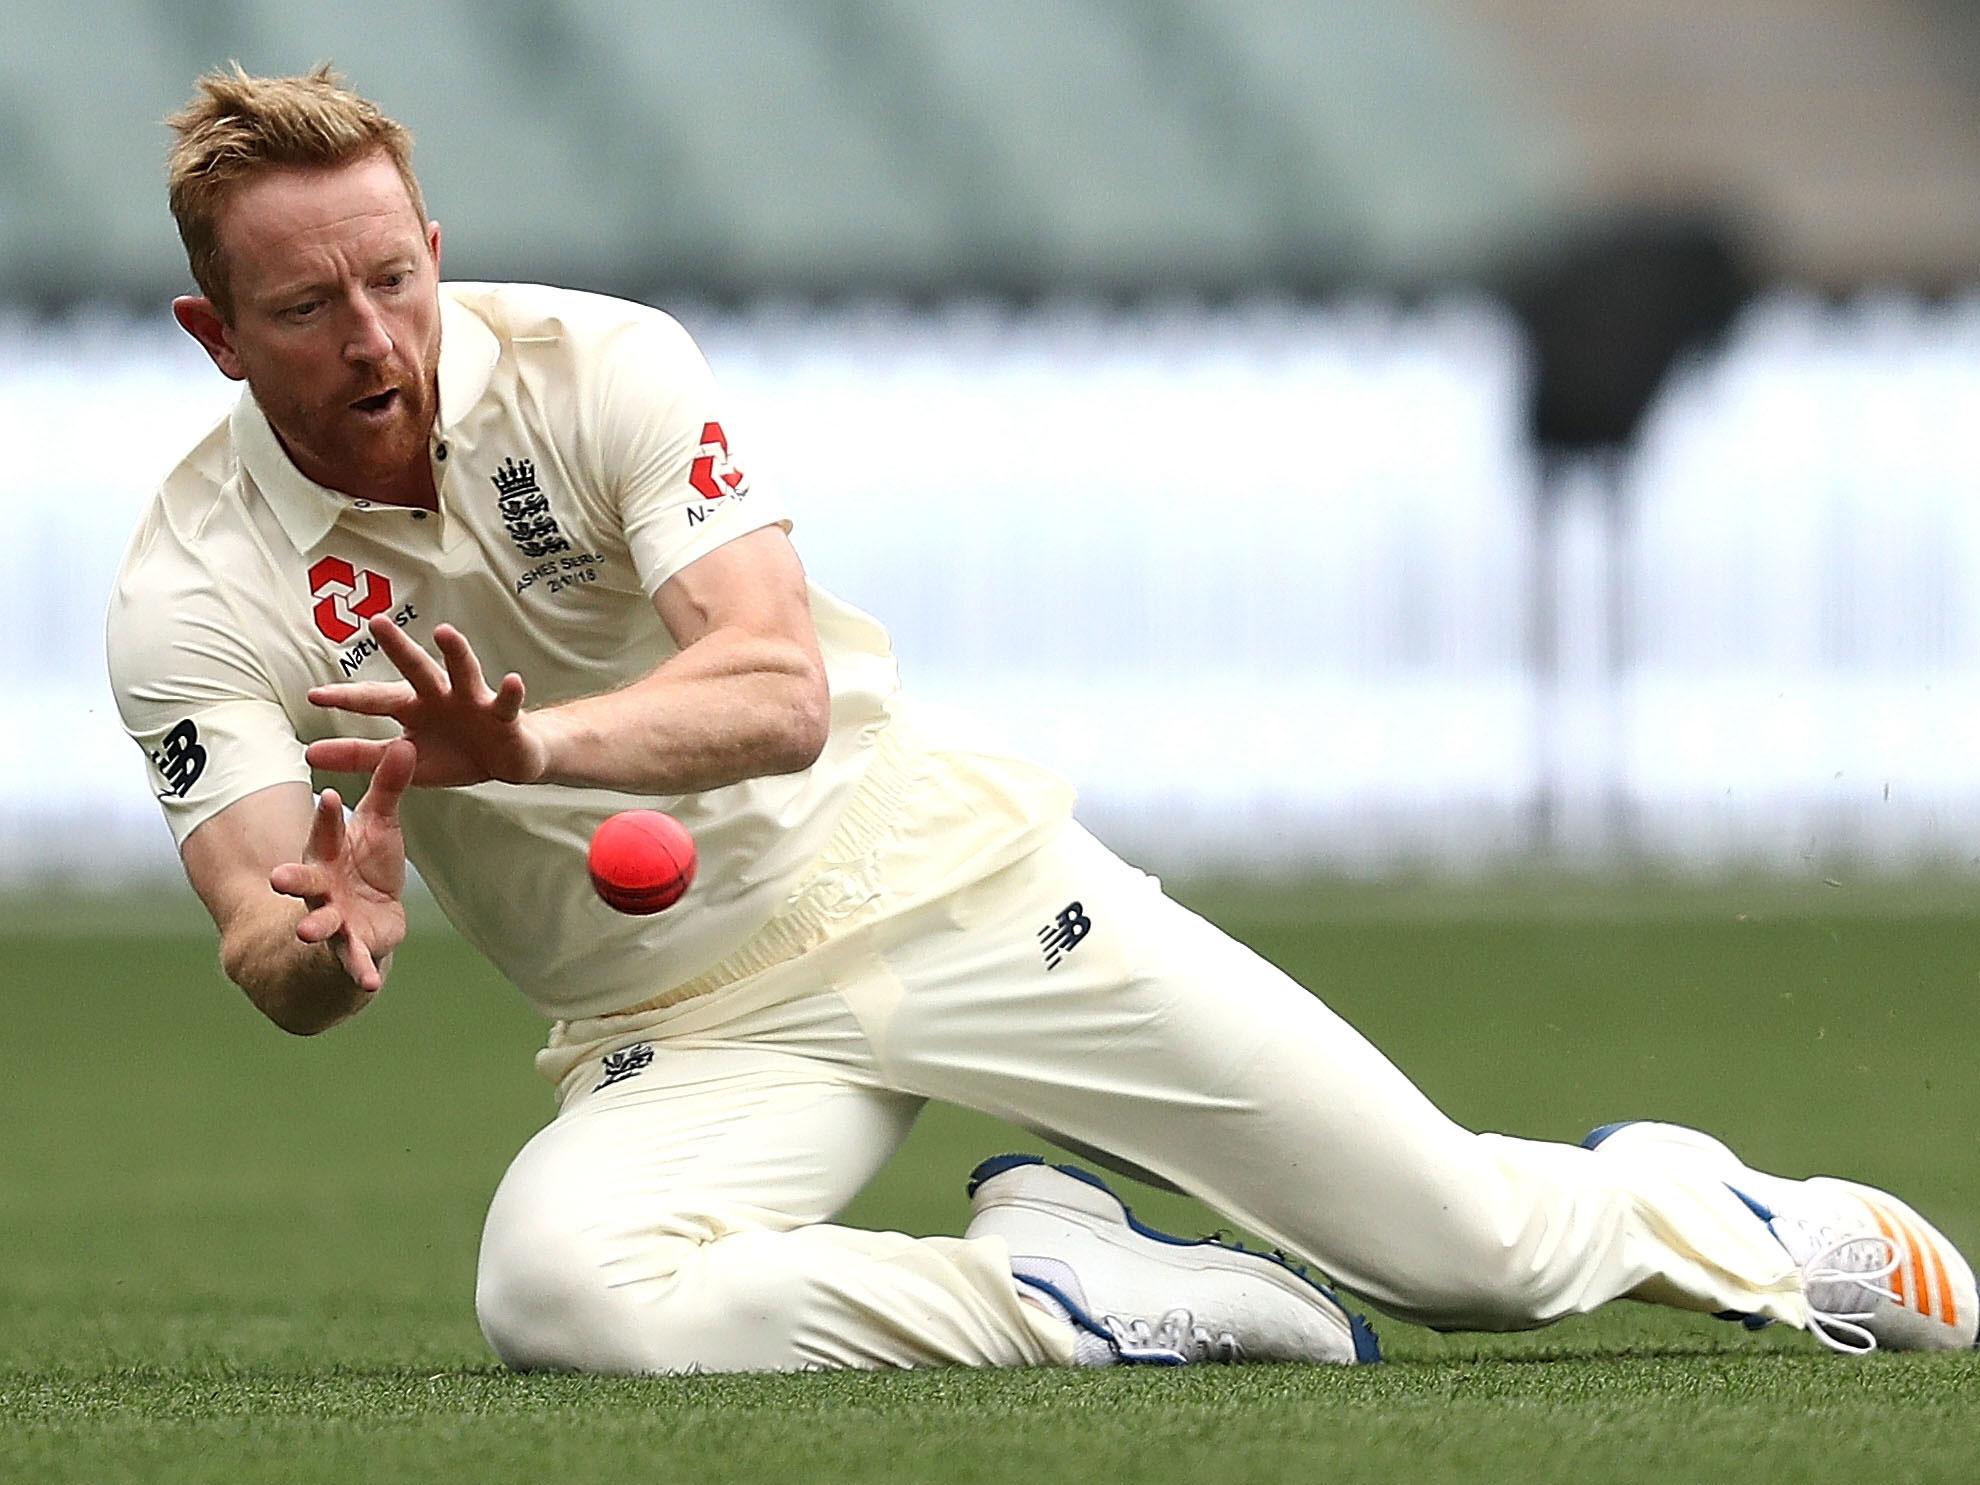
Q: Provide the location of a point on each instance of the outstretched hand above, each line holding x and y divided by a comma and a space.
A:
465, 732
353, 875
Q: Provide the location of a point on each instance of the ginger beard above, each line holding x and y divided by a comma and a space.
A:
363, 434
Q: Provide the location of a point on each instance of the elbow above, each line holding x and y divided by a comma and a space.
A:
304, 1015
289, 1006
304, 1021
237, 964
807, 721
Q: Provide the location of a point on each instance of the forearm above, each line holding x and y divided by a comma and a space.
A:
731, 706
303, 988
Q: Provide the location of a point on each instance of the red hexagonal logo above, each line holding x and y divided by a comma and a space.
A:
345, 597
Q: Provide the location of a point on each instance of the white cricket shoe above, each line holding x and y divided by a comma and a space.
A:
1141, 1296
1877, 1275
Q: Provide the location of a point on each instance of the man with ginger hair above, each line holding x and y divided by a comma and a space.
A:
425, 484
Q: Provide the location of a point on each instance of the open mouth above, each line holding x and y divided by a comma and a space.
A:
378, 402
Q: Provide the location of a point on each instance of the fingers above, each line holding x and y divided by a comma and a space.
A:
325, 924
366, 698
508, 703
302, 879
319, 924
465, 674
312, 877
418, 667
463, 669
345, 754
326, 829
355, 956
391, 776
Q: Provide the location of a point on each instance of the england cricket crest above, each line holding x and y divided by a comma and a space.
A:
525, 509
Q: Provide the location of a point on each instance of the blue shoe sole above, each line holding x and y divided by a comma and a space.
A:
1367, 1346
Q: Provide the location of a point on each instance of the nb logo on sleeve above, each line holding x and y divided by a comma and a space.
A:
1060, 937
180, 760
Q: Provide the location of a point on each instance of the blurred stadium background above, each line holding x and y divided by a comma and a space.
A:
1433, 441
1430, 435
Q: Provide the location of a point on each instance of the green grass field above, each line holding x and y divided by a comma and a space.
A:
230, 1255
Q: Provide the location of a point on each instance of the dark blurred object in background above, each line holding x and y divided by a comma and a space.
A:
1609, 311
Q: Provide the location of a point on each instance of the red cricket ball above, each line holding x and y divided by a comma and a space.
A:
641, 861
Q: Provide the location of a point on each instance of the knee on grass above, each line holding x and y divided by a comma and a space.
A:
553, 1293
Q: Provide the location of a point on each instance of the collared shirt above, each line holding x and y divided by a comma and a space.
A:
581, 461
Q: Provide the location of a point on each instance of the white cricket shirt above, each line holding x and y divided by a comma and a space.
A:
581, 461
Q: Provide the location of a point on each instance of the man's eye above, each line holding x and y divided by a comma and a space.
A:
394, 280
302, 311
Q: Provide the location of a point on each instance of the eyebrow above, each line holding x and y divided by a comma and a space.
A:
324, 287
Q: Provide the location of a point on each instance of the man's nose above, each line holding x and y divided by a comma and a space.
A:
370, 341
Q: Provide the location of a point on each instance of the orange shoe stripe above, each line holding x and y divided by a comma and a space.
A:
1945, 1285
1921, 1275
1926, 1299
1897, 1249
1946, 1301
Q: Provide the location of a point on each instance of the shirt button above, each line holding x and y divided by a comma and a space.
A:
419, 515
440, 452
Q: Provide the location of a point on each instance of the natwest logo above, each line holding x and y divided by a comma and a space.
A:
711, 474
346, 596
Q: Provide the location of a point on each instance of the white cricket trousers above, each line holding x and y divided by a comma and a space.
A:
676, 1214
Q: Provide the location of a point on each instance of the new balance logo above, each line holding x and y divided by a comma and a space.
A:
627, 1062
1061, 936
180, 760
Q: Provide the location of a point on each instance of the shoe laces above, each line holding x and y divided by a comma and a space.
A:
1844, 1270
1172, 1340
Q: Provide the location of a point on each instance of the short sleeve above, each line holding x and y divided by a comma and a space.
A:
670, 463
210, 729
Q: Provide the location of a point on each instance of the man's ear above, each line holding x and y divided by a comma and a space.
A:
199, 318
433, 245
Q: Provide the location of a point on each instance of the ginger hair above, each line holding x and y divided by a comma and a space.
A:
237, 127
